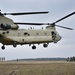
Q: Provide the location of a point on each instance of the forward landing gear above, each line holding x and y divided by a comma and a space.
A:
3, 47
33, 47
45, 45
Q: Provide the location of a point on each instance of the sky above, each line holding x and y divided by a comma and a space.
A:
57, 9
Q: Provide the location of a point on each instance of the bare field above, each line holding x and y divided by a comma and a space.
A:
37, 68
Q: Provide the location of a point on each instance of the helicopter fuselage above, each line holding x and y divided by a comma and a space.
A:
27, 36
10, 34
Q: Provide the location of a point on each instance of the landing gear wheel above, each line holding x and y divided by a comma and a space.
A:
14, 45
45, 45
3, 47
33, 47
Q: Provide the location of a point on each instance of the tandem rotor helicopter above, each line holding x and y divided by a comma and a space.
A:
10, 34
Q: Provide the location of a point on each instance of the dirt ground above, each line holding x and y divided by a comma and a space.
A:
37, 68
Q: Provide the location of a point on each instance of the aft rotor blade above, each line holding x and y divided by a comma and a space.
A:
29, 23
64, 27
42, 24
33, 23
65, 17
26, 13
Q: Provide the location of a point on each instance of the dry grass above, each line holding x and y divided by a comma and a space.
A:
37, 68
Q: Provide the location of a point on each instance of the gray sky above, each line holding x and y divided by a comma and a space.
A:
57, 9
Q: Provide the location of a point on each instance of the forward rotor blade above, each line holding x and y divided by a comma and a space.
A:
26, 13
65, 17
64, 27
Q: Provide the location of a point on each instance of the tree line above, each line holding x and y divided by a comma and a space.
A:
71, 58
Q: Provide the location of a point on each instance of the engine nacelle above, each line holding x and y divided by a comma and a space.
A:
7, 26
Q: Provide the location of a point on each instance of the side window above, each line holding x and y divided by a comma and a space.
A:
1, 36
19, 34
26, 34
45, 34
37, 34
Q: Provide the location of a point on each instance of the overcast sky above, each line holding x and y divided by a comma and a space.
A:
57, 9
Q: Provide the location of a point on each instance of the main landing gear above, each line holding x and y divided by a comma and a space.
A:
3, 47
15, 44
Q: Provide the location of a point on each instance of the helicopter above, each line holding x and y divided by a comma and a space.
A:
11, 34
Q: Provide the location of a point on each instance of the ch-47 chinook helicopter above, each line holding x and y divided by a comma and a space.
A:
10, 34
